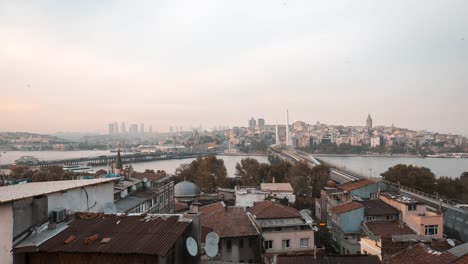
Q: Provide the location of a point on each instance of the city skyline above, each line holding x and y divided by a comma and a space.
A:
77, 66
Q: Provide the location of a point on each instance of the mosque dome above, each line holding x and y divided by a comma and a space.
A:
185, 191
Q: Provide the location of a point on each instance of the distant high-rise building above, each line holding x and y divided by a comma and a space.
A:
277, 140
150, 129
111, 129
252, 123
116, 126
261, 122
142, 128
133, 130
171, 129
288, 140
123, 130
369, 122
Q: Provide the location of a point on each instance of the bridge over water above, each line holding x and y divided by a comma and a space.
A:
126, 158
455, 218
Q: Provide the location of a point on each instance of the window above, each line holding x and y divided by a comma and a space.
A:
411, 207
371, 218
390, 217
285, 243
373, 195
241, 243
161, 198
251, 242
431, 230
228, 245
268, 244
304, 242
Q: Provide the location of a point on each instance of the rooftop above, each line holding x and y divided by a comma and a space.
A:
400, 198
311, 259
227, 221
421, 254
346, 207
388, 228
116, 234
27, 190
276, 187
148, 176
378, 207
270, 210
349, 186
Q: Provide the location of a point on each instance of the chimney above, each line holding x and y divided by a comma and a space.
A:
194, 208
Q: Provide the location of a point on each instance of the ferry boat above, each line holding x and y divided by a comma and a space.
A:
27, 160
78, 168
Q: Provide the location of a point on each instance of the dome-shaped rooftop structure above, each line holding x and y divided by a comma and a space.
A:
185, 191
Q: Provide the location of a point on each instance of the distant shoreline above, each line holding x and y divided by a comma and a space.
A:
369, 155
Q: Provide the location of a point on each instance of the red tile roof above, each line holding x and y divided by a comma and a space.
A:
347, 207
227, 221
311, 259
271, 210
349, 186
421, 254
388, 228
148, 235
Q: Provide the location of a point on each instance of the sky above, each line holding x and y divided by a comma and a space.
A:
79, 65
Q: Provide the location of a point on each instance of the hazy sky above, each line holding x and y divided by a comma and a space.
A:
78, 65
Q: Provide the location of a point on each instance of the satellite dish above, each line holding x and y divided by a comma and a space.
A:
109, 208
122, 194
133, 187
450, 242
211, 247
192, 246
148, 184
145, 180
212, 235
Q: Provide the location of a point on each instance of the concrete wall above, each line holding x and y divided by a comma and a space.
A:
236, 254
418, 218
370, 246
364, 192
293, 236
75, 199
6, 233
350, 222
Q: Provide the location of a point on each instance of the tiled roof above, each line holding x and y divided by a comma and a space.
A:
270, 210
27, 190
378, 207
459, 250
347, 207
388, 228
148, 176
311, 259
462, 260
421, 254
349, 186
148, 235
227, 221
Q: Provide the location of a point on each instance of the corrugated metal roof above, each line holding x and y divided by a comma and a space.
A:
270, 210
276, 187
459, 250
27, 190
149, 235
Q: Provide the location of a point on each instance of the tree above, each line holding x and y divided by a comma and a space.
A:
252, 172
208, 173
420, 178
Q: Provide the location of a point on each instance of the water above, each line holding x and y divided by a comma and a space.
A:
169, 166
378, 165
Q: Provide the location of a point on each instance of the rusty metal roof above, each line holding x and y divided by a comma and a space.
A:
148, 235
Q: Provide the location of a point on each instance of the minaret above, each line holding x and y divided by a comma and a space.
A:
277, 135
287, 128
118, 163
